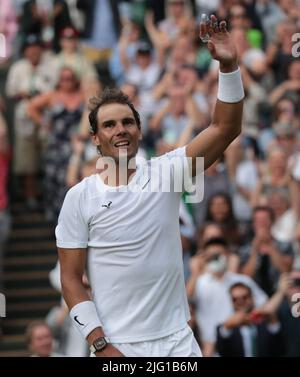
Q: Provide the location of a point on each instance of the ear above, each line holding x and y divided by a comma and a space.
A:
140, 136
95, 140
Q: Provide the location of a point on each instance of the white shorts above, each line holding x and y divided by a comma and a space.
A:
180, 344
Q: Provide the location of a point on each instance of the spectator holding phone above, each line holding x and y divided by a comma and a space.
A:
248, 332
209, 289
286, 303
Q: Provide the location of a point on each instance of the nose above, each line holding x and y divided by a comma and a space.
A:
120, 128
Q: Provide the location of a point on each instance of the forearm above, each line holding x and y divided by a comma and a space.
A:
191, 285
73, 290
279, 261
124, 58
249, 267
277, 93
272, 305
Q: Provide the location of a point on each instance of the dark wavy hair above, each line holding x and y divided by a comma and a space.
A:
109, 95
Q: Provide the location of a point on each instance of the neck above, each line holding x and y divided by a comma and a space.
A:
118, 175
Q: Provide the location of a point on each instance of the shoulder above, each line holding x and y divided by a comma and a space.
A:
178, 152
84, 189
19, 65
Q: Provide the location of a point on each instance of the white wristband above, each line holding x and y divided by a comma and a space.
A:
84, 315
231, 88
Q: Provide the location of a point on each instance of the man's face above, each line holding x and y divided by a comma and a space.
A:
42, 341
216, 257
33, 54
118, 134
242, 299
262, 220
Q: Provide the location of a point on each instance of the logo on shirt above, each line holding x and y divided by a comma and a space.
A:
107, 205
75, 319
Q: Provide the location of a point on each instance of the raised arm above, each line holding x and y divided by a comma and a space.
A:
227, 117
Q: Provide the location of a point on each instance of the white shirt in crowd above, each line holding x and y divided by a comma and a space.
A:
143, 78
135, 253
213, 301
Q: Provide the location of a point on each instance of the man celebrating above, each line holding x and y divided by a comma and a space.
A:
139, 305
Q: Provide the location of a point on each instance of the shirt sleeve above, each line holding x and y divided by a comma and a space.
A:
72, 230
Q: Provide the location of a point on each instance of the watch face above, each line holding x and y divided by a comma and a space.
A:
100, 343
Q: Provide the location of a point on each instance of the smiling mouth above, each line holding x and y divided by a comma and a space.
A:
122, 144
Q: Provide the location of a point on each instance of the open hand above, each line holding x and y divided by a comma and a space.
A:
220, 43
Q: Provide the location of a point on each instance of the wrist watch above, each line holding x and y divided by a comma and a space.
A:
99, 344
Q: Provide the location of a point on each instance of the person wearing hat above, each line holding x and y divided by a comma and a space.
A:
145, 70
28, 77
71, 56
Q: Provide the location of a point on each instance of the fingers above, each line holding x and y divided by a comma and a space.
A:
210, 26
214, 23
223, 25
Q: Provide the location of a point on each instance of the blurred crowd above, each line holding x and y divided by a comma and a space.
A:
241, 244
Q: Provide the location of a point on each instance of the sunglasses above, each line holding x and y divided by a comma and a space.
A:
240, 298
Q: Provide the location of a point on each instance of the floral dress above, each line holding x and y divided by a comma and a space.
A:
64, 124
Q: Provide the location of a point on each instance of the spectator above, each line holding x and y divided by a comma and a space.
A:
285, 223
32, 20
264, 258
210, 291
129, 40
290, 87
39, 340
248, 332
71, 56
178, 15
285, 303
65, 104
215, 180
102, 28
274, 174
61, 20
28, 77
219, 210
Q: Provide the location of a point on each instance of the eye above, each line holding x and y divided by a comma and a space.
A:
128, 121
109, 124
